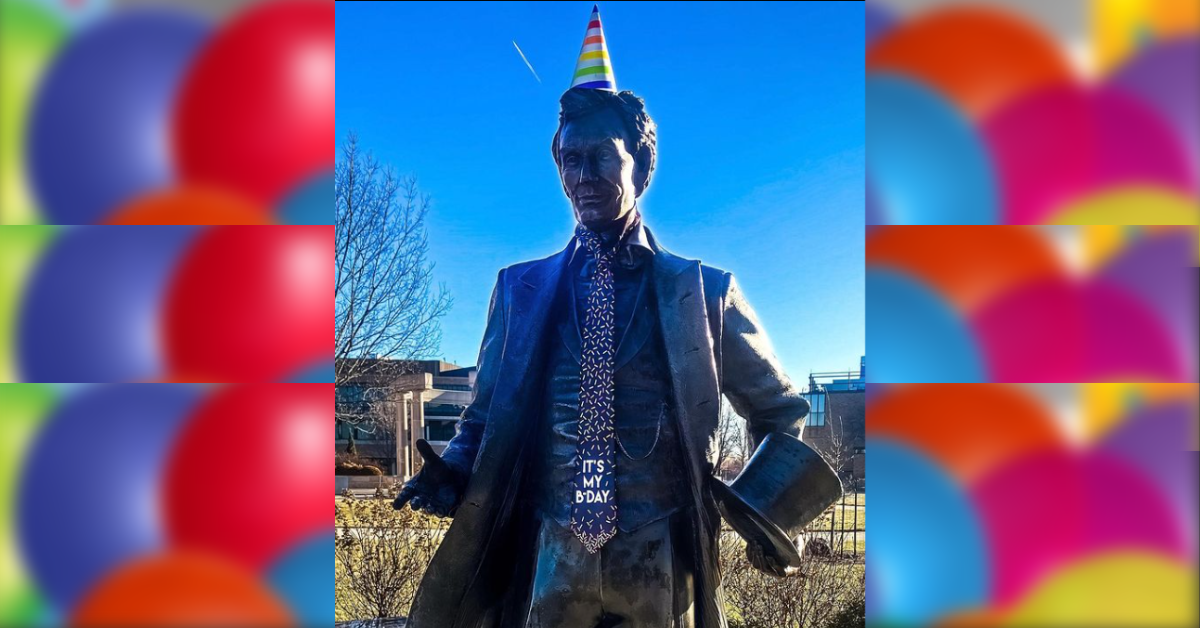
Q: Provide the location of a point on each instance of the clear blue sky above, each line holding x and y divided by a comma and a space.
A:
760, 157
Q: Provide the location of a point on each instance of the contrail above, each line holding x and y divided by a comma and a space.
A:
527, 63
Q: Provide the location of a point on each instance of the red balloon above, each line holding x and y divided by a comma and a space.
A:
251, 304
256, 110
180, 589
241, 480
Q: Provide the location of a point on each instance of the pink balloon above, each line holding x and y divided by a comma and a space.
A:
1059, 144
1050, 509
1059, 330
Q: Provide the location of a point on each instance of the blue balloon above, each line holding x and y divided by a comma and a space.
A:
87, 499
99, 130
927, 164
304, 578
914, 336
321, 373
91, 306
311, 204
928, 550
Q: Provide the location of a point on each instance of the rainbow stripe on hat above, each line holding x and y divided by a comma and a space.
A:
594, 70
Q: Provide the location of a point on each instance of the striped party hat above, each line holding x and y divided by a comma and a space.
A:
594, 70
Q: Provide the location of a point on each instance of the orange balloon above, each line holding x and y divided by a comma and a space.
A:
969, 429
180, 589
968, 265
191, 206
979, 57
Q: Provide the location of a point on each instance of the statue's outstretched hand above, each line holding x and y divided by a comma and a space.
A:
437, 489
765, 558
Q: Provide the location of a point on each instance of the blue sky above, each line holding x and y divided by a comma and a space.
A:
760, 156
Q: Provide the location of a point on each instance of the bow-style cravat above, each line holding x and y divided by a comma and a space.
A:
594, 500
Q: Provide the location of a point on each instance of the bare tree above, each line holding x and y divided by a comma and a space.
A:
731, 439
386, 303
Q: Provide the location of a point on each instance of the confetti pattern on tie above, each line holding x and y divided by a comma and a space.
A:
594, 504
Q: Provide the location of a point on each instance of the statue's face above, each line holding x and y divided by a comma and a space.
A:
597, 170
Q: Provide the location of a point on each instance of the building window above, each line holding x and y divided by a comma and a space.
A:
439, 430
816, 411
444, 409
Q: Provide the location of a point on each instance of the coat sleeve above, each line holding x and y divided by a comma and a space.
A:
752, 379
461, 451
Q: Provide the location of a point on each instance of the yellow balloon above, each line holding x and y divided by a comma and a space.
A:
29, 37
1106, 405
22, 409
1121, 27
1107, 212
1123, 588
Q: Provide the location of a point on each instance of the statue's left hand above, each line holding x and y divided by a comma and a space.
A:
766, 559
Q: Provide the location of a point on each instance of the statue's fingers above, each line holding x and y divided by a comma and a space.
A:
405, 495
418, 503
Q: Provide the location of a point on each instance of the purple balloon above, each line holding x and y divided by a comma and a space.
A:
99, 125
88, 493
878, 21
1160, 269
1166, 75
91, 308
1154, 439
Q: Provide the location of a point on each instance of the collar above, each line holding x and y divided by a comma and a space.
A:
634, 246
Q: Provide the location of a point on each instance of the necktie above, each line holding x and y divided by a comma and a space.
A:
594, 503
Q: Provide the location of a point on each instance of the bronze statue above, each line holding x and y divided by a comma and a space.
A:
581, 476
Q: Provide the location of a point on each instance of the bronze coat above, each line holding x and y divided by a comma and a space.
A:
480, 575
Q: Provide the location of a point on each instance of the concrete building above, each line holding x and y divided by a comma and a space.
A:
837, 422
392, 403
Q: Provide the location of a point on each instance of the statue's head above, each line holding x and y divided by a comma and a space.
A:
605, 150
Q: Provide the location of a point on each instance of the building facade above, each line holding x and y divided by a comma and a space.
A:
390, 404
837, 419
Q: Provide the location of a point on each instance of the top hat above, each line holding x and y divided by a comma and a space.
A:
785, 485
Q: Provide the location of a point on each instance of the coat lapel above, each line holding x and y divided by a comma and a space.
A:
683, 318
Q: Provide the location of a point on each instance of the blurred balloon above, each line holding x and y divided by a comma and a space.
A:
916, 575
1160, 270
1006, 422
967, 265
1058, 330
320, 373
99, 131
312, 204
77, 13
20, 248
190, 206
89, 492
92, 307
978, 57
1154, 439
256, 112
1097, 502
1056, 146
1114, 589
879, 20
206, 504
1166, 75
1132, 205
1120, 29
29, 36
304, 579
22, 409
914, 335
272, 286
927, 164
180, 589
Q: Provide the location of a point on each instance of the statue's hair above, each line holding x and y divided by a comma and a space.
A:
640, 130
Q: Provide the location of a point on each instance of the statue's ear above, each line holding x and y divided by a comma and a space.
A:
643, 168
